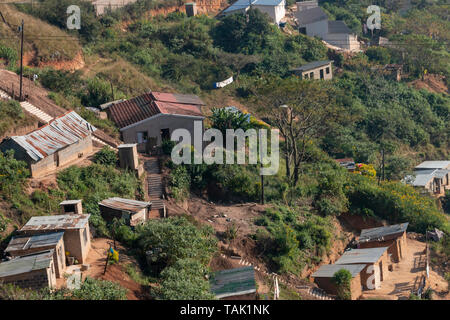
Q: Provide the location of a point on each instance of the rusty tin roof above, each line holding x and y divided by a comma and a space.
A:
57, 134
57, 222
125, 204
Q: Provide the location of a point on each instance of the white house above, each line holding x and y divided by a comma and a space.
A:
274, 8
313, 22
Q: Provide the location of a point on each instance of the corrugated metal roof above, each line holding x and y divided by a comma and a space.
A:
441, 164
378, 233
233, 282
57, 222
26, 264
147, 105
311, 15
370, 255
423, 176
245, 4
338, 27
57, 134
35, 241
125, 204
328, 270
313, 65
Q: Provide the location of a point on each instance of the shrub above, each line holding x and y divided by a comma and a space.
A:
179, 183
342, 279
106, 156
13, 174
167, 146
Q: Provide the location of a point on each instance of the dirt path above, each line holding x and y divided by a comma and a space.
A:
115, 272
406, 275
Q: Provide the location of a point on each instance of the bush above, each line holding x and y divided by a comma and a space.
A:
167, 146
179, 183
106, 156
342, 279
13, 174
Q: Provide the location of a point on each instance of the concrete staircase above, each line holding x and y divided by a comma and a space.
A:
38, 113
154, 183
4, 95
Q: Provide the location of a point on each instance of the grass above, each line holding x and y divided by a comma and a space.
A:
12, 117
37, 37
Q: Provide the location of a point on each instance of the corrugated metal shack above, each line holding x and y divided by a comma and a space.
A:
61, 141
25, 245
132, 211
238, 283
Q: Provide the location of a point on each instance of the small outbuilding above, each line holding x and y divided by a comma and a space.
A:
61, 141
71, 206
133, 211
377, 265
77, 238
234, 284
323, 277
35, 271
26, 245
315, 70
393, 237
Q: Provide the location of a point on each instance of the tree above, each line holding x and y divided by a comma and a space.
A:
342, 279
237, 61
239, 33
302, 111
223, 119
106, 156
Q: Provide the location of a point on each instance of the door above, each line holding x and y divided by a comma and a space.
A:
321, 73
165, 134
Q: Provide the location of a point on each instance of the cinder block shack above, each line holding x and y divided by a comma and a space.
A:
393, 237
377, 265
132, 211
77, 238
234, 284
324, 278
26, 245
56, 144
34, 271
71, 206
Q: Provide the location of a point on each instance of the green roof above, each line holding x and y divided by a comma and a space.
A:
233, 282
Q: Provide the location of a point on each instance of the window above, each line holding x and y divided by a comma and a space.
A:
311, 75
328, 70
305, 76
142, 136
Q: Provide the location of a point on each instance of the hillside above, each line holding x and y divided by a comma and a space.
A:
313, 207
44, 44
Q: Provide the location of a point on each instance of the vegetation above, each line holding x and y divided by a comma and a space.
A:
106, 157
90, 289
342, 279
12, 116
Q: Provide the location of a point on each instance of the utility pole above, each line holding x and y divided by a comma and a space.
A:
21, 62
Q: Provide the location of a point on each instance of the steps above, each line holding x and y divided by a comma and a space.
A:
4, 95
154, 183
41, 115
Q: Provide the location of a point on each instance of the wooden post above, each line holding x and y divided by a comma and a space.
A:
21, 61
107, 259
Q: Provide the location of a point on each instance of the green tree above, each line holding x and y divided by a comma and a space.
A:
240, 33
342, 279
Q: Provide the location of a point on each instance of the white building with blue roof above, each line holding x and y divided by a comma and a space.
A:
274, 8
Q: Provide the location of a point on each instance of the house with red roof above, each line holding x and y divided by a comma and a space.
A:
152, 117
